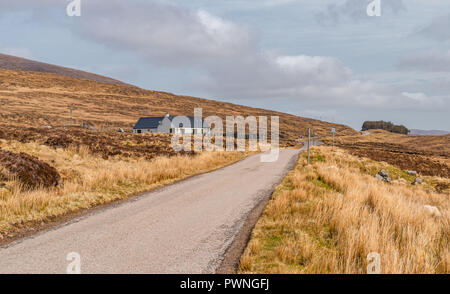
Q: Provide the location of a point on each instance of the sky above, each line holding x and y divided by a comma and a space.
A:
323, 59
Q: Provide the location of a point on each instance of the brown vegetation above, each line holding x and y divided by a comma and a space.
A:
29, 171
105, 144
428, 155
327, 218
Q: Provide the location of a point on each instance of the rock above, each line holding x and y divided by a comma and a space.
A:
412, 172
433, 210
417, 181
378, 177
383, 176
384, 173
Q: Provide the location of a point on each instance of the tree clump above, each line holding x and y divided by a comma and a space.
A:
383, 125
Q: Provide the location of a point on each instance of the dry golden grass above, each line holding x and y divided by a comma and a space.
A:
327, 217
89, 180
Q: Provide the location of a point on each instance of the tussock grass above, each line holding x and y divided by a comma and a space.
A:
89, 180
327, 217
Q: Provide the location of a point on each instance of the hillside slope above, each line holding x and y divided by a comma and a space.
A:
17, 63
38, 99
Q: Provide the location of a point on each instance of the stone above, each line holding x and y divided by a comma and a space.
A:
383, 176
378, 177
417, 181
412, 172
384, 173
433, 210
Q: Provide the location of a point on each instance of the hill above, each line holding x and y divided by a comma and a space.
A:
17, 63
36, 99
428, 132
98, 165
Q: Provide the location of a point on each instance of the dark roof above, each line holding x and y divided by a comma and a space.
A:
153, 122
148, 122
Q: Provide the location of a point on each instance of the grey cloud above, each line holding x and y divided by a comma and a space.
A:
355, 10
163, 33
228, 54
438, 29
35, 6
431, 61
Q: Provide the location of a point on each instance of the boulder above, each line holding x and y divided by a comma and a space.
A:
383, 176
383, 173
417, 181
433, 210
412, 172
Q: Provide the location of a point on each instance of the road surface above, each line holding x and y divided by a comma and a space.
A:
182, 228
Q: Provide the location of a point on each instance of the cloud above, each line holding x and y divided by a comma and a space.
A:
227, 54
259, 3
355, 10
163, 33
421, 97
431, 61
228, 60
438, 29
419, 100
38, 7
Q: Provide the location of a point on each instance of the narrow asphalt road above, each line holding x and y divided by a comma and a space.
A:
182, 228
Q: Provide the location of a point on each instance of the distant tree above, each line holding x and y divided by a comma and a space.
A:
383, 125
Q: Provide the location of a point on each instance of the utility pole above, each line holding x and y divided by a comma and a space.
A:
309, 142
333, 131
333, 141
70, 115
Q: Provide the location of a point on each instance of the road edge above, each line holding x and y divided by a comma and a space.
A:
232, 255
